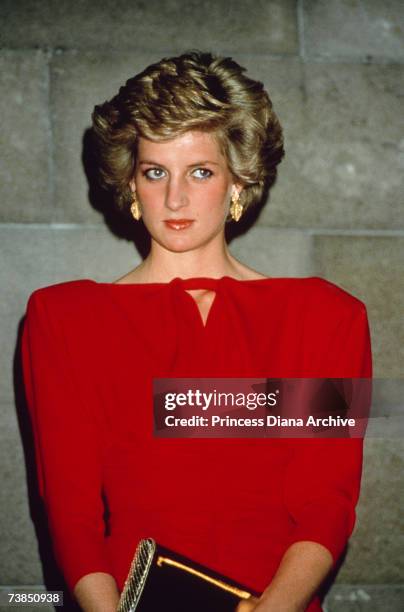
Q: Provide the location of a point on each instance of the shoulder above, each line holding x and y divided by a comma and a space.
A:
67, 297
327, 297
312, 292
335, 317
308, 296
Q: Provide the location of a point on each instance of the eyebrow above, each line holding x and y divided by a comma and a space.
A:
199, 163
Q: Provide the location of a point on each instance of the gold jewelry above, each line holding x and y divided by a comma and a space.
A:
135, 208
236, 209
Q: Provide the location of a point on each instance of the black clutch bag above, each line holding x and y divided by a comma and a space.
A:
161, 579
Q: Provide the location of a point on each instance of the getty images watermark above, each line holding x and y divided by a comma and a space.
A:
269, 408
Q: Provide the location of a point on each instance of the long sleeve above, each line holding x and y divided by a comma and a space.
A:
67, 452
323, 479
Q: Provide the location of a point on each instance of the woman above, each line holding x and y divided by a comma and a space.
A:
188, 145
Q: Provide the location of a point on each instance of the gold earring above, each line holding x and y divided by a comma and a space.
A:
135, 208
236, 209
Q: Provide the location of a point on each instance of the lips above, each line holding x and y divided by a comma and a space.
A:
178, 224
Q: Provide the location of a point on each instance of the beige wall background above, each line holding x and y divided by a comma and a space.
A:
334, 70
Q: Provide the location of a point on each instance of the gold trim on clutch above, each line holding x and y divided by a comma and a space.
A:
191, 570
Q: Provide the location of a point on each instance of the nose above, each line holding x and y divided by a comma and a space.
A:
176, 193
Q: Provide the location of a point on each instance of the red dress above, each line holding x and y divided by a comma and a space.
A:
90, 353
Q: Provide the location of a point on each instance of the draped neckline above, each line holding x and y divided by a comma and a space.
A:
195, 282
181, 286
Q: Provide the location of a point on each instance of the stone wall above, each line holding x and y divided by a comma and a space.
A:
334, 71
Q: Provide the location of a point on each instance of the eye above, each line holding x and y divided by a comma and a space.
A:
202, 173
154, 174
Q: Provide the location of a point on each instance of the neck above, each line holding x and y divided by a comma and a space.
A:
212, 261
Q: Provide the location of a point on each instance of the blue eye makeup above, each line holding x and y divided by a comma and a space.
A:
202, 173
154, 174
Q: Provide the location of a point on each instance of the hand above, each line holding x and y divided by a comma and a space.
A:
247, 605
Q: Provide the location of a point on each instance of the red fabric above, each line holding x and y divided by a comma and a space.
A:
90, 353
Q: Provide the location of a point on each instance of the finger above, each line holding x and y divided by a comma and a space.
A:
247, 605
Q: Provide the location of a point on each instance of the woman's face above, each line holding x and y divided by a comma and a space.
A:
183, 178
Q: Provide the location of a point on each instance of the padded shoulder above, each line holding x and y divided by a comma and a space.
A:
331, 296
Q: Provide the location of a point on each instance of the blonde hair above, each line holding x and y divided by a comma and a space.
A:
194, 91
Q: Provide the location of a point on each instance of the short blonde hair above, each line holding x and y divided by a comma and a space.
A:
194, 91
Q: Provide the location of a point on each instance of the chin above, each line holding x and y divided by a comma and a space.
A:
187, 241
182, 244
180, 248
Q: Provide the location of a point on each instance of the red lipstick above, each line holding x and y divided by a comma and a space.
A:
178, 224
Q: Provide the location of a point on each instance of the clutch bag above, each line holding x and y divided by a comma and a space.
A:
161, 579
